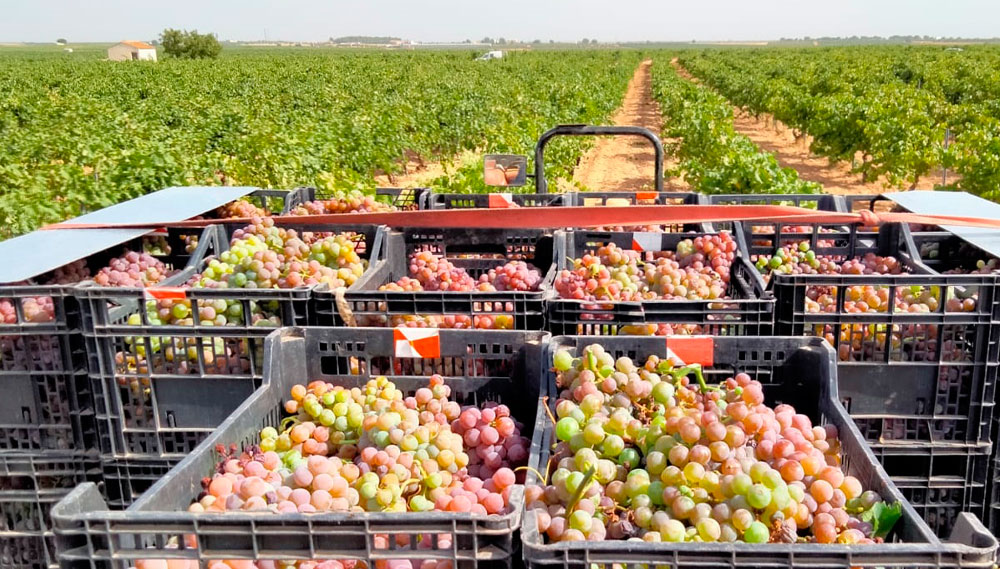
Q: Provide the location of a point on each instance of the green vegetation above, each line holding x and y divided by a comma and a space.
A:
891, 105
81, 134
189, 44
713, 157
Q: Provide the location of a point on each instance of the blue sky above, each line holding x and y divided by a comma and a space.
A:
562, 20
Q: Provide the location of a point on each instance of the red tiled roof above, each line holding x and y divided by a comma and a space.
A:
138, 44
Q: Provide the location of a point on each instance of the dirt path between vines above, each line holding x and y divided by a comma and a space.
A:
793, 152
625, 163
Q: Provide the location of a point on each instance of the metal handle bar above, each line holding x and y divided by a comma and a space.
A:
541, 186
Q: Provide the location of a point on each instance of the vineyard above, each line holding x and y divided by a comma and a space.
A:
302, 370
81, 135
889, 109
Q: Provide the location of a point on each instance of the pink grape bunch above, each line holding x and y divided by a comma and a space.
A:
698, 269
645, 452
430, 271
492, 438
133, 269
368, 449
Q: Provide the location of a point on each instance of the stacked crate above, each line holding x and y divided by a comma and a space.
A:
919, 382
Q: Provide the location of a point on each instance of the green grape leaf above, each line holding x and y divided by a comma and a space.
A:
883, 517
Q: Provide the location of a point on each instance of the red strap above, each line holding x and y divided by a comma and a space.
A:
557, 217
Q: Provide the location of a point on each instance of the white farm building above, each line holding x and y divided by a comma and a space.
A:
132, 50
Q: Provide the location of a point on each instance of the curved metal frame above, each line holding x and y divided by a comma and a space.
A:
541, 186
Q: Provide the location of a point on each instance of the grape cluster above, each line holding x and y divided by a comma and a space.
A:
129, 270
237, 209
768, 230
350, 202
263, 256
133, 270
71, 273
240, 209
698, 269
156, 245
260, 256
645, 453
372, 449
867, 342
430, 271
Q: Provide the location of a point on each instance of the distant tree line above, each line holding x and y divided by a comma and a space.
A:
365, 39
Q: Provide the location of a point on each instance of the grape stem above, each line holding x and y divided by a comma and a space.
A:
588, 477
681, 372
530, 469
545, 404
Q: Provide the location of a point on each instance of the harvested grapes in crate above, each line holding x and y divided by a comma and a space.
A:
647, 283
744, 453
451, 278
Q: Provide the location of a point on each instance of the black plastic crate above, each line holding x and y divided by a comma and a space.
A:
441, 200
939, 481
927, 377
400, 198
126, 479
992, 515
597, 199
946, 253
153, 381
478, 365
475, 250
276, 201
818, 202
799, 371
47, 401
30, 485
43, 377
747, 311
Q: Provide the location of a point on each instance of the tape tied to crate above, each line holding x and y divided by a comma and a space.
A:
646, 241
583, 217
688, 350
343, 308
417, 342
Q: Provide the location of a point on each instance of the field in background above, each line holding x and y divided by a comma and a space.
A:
82, 133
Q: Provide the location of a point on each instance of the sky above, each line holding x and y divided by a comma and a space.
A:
450, 20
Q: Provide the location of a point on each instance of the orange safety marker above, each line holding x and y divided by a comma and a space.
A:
646, 241
686, 350
417, 342
500, 201
165, 293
